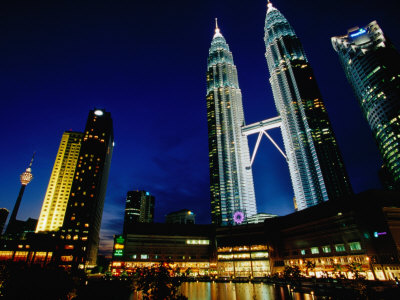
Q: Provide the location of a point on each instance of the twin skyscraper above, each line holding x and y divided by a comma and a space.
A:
315, 164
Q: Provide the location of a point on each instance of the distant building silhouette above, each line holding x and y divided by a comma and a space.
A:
183, 216
139, 208
3, 218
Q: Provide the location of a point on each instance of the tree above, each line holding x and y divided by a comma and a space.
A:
355, 268
309, 265
337, 268
158, 282
21, 281
292, 273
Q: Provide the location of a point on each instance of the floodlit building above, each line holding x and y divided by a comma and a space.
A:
55, 201
372, 67
139, 207
81, 229
231, 178
315, 164
183, 216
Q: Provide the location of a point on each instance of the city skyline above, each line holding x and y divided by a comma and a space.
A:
57, 70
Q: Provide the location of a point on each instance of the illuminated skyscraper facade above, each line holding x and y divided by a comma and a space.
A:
231, 178
372, 67
139, 207
55, 201
315, 164
81, 228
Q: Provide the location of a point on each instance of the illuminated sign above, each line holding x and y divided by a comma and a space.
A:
376, 233
197, 242
358, 32
118, 253
238, 217
147, 194
98, 112
118, 246
120, 240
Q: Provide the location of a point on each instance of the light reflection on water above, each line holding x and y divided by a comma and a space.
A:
240, 291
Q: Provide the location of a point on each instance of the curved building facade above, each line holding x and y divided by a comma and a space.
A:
372, 67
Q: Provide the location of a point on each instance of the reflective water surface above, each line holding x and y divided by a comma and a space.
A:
241, 291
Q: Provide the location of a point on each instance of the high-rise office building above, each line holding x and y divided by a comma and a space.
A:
231, 178
372, 67
3, 218
139, 208
55, 201
81, 228
315, 163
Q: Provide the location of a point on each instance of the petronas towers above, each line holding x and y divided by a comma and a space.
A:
315, 164
231, 178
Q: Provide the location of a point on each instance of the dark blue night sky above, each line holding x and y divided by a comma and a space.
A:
145, 62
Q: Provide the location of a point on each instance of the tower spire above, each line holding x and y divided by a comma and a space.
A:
217, 31
33, 156
270, 6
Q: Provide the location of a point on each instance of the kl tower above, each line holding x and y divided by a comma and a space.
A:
25, 178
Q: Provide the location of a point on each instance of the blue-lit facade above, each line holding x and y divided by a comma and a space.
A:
372, 67
231, 178
315, 164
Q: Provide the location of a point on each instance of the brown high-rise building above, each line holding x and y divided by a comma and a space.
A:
81, 229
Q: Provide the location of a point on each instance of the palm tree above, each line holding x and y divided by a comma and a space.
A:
310, 265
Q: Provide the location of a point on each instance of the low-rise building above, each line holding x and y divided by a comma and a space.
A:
333, 238
189, 247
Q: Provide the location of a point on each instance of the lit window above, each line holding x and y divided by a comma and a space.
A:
326, 249
354, 246
340, 248
314, 250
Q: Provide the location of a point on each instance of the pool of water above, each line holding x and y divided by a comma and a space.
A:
239, 291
